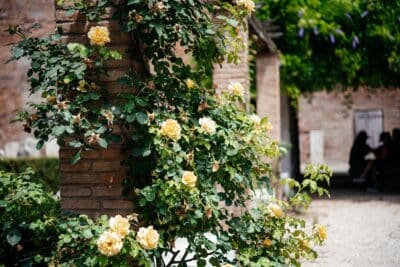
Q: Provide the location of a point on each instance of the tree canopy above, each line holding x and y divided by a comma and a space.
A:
336, 44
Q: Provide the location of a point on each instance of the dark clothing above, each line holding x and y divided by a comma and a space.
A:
357, 159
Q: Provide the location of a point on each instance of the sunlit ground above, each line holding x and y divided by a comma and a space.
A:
363, 229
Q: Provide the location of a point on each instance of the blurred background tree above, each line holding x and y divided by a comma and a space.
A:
336, 44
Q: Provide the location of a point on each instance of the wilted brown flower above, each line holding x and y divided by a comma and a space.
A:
93, 138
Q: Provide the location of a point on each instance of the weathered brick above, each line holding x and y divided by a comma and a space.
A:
118, 204
89, 154
80, 166
114, 87
92, 178
111, 154
78, 203
108, 191
75, 191
101, 166
113, 75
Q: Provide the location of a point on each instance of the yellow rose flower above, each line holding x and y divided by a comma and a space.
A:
248, 5
255, 119
82, 86
207, 125
305, 243
119, 225
99, 35
109, 243
148, 237
275, 210
190, 84
321, 231
236, 89
171, 129
268, 126
267, 242
189, 178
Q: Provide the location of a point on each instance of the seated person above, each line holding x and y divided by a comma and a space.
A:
359, 166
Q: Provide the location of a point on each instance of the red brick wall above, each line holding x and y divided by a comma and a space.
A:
13, 85
93, 185
326, 111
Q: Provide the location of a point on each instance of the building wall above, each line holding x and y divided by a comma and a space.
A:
13, 79
325, 116
268, 90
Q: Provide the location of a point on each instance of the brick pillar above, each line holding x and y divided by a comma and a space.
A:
227, 72
93, 185
268, 90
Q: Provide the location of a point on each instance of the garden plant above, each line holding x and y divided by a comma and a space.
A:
201, 155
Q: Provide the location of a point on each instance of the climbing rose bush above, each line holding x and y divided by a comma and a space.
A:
195, 156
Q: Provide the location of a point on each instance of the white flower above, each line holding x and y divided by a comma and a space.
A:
236, 89
255, 119
207, 125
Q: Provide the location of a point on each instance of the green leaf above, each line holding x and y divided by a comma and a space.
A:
76, 157
214, 262
103, 143
17, 52
13, 236
39, 145
75, 144
150, 196
115, 55
87, 234
3, 203
58, 130
132, 2
141, 118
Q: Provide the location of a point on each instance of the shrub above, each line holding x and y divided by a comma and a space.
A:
28, 219
45, 170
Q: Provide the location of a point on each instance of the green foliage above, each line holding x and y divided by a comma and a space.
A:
73, 104
193, 156
344, 43
28, 219
35, 233
45, 170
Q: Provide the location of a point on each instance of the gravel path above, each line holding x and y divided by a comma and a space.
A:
363, 229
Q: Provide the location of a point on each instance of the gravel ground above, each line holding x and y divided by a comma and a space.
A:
363, 229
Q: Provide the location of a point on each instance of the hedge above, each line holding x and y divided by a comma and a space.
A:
46, 170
